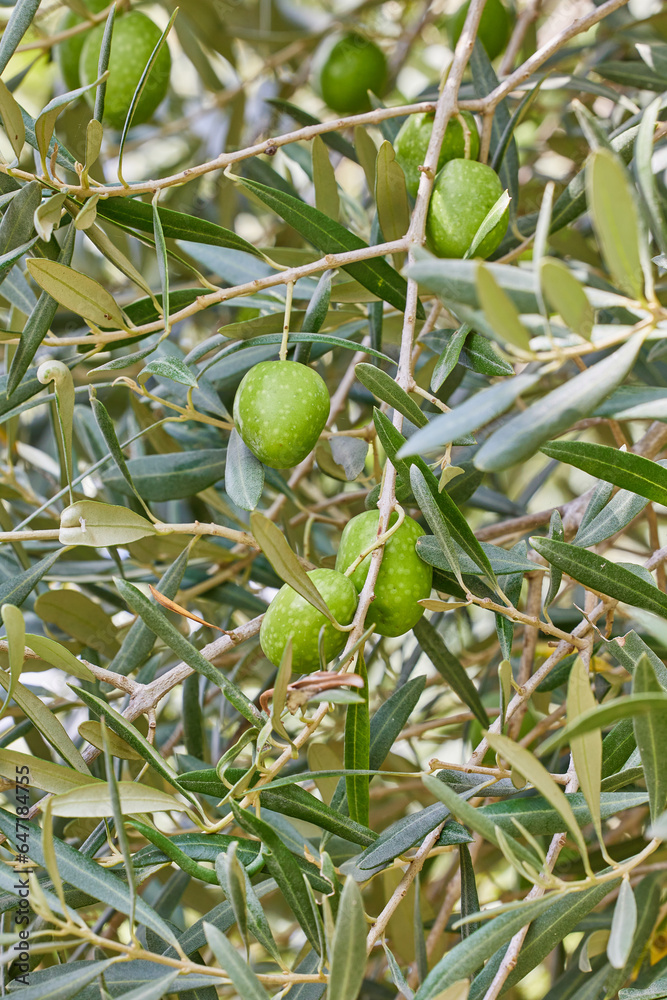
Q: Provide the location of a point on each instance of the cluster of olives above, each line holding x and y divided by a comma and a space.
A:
280, 410
464, 191
134, 38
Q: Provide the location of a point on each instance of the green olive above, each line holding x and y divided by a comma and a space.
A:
280, 410
464, 193
415, 134
290, 616
345, 68
403, 579
494, 29
134, 38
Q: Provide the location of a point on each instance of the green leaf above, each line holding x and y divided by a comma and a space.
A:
348, 948
257, 923
651, 736
330, 237
469, 897
71, 982
240, 973
612, 205
19, 22
500, 311
472, 817
357, 753
449, 358
441, 508
566, 296
45, 722
647, 896
409, 831
12, 119
283, 867
14, 624
622, 468
97, 802
540, 818
172, 369
557, 411
171, 476
530, 767
465, 958
586, 750
548, 929
388, 391
555, 576
38, 323
45, 122
477, 410
139, 640
613, 517
605, 714
602, 576
391, 194
157, 622
76, 292
83, 873
333, 139
135, 214
449, 667
89, 522
324, 179
645, 176
132, 736
623, 926
244, 474
275, 547
58, 656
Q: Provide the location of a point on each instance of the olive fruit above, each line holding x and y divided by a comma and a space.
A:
134, 38
345, 68
403, 579
415, 134
68, 52
464, 193
280, 410
494, 27
290, 616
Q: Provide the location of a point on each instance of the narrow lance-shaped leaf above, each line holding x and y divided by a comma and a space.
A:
240, 973
586, 750
442, 508
324, 179
284, 868
85, 874
39, 321
651, 736
566, 296
357, 752
623, 926
557, 411
535, 772
615, 219
631, 472
77, 292
158, 623
330, 237
555, 531
450, 668
19, 22
14, 624
501, 312
12, 119
348, 949
89, 522
602, 576
275, 547
244, 474
388, 391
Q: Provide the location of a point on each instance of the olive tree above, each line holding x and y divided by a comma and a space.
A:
332, 512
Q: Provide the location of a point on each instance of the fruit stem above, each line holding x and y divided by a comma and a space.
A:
288, 312
380, 540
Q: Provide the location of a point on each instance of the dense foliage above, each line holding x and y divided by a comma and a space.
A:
332, 507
